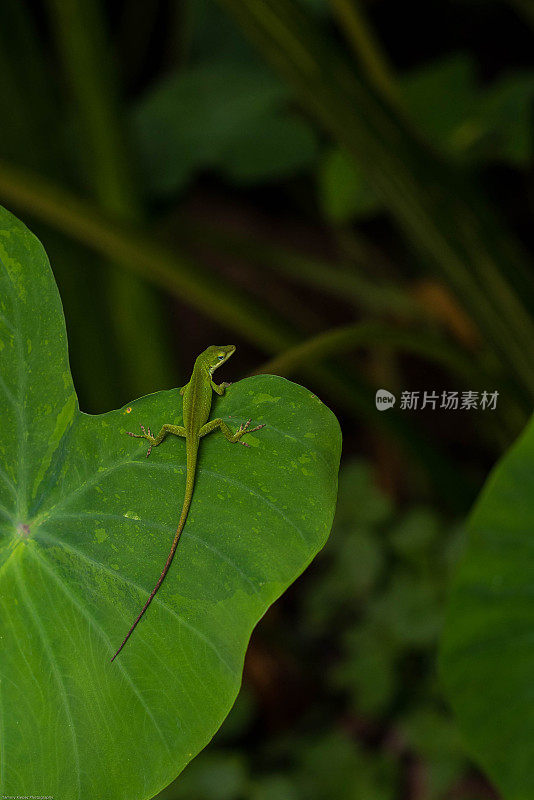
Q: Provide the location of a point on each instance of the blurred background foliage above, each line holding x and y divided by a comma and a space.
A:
344, 190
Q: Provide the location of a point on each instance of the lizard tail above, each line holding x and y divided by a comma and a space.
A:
189, 485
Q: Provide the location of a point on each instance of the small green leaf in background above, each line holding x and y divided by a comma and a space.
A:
275, 787
505, 117
440, 97
86, 522
435, 737
331, 766
219, 115
368, 669
415, 534
343, 191
213, 776
410, 609
487, 658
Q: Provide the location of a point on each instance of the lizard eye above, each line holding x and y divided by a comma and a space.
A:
220, 357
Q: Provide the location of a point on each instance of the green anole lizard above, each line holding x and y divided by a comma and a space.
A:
197, 396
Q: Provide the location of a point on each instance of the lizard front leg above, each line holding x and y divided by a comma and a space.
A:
177, 430
227, 431
219, 388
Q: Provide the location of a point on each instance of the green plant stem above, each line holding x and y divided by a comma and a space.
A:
366, 47
80, 33
374, 296
429, 200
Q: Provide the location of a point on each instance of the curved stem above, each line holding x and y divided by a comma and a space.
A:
362, 334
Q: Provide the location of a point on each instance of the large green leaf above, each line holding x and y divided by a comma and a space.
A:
488, 647
86, 521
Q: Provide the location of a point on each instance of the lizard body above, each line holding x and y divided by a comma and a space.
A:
197, 394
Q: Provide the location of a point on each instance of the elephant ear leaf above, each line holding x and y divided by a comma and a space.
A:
86, 523
487, 658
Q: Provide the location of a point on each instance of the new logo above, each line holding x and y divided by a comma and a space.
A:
384, 399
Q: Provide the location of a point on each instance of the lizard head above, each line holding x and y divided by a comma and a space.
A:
216, 355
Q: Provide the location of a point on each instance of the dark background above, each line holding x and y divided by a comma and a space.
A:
356, 178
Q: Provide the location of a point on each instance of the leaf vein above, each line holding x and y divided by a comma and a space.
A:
75, 601
55, 668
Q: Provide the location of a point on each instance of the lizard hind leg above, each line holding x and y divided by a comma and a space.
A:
226, 430
244, 428
145, 435
177, 430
